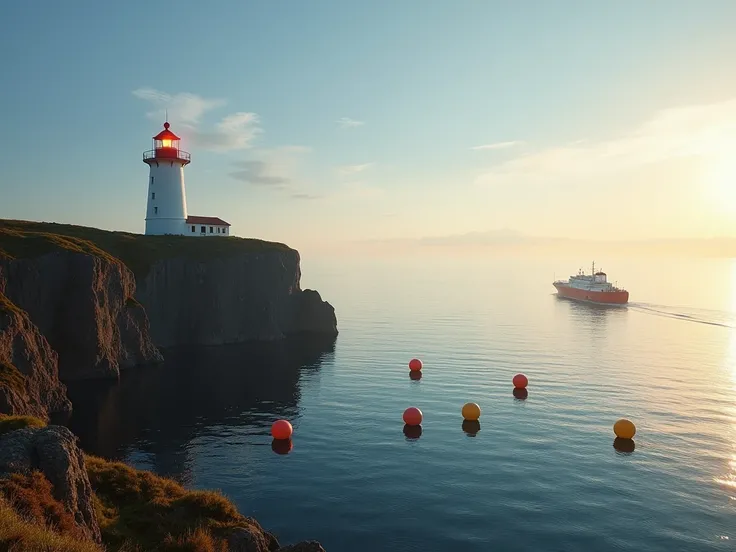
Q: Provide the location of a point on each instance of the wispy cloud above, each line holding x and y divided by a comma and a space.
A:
696, 130
354, 169
498, 145
258, 173
276, 169
234, 132
347, 122
185, 110
184, 107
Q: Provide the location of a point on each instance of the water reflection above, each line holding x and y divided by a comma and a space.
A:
192, 395
282, 446
471, 427
415, 375
592, 315
520, 393
625, 446
412, 432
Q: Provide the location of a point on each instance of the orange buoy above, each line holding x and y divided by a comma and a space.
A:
412, 416
281, 429
415, 365
624, 429
520, 381
471, 412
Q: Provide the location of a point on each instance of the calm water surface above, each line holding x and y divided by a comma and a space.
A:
541, 474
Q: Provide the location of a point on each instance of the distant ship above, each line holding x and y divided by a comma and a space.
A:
592, 288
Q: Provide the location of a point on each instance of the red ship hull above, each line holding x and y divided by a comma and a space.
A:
620, 297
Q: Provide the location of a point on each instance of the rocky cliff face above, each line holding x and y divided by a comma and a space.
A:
84, 306
29, 373
241, 297
53, 451
77, 286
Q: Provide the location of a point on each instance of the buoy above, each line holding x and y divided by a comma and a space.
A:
471, 412
415, 365
412, 416
520, 381
281, 429
625, 429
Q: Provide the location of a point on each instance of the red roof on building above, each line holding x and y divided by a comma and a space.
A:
166, 134
207, 220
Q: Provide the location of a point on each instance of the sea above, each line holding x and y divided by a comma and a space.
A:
539, 473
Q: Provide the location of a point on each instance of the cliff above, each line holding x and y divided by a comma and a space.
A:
249, 295
105, 301
54, 497
29, 373
83, 304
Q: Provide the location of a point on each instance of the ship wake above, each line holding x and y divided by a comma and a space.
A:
698, 316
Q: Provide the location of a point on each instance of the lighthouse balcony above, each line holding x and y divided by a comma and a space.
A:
166, 154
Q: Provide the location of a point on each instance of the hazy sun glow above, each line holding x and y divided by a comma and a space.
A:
720, 184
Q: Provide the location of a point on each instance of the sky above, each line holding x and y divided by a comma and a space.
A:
325, 122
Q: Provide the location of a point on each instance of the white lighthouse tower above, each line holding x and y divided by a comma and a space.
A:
166, 212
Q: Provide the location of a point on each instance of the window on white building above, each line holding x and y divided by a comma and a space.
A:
210, 230
153, 195
203, 230
193, 228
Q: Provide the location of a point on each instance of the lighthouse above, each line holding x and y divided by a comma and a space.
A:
166, 208
166, 212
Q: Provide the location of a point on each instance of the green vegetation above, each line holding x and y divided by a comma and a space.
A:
23, 239
139, 509
18, 534
11, 423
11, 377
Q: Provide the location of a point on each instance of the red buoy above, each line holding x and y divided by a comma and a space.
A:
415, 365
520, 381
412, 416
281, 429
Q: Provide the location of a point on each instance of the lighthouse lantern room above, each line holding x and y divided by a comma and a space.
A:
166, 210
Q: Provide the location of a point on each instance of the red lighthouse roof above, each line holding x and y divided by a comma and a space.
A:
166, 134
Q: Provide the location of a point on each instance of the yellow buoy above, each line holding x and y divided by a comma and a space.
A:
625, 429
471, 412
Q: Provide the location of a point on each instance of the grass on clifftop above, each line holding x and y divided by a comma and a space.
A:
23, 239
11, 423
137, 512
18, 534
140, 509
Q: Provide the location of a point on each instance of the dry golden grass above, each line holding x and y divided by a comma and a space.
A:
23, 239
32, 497
139, 509
20, 535
11, 423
